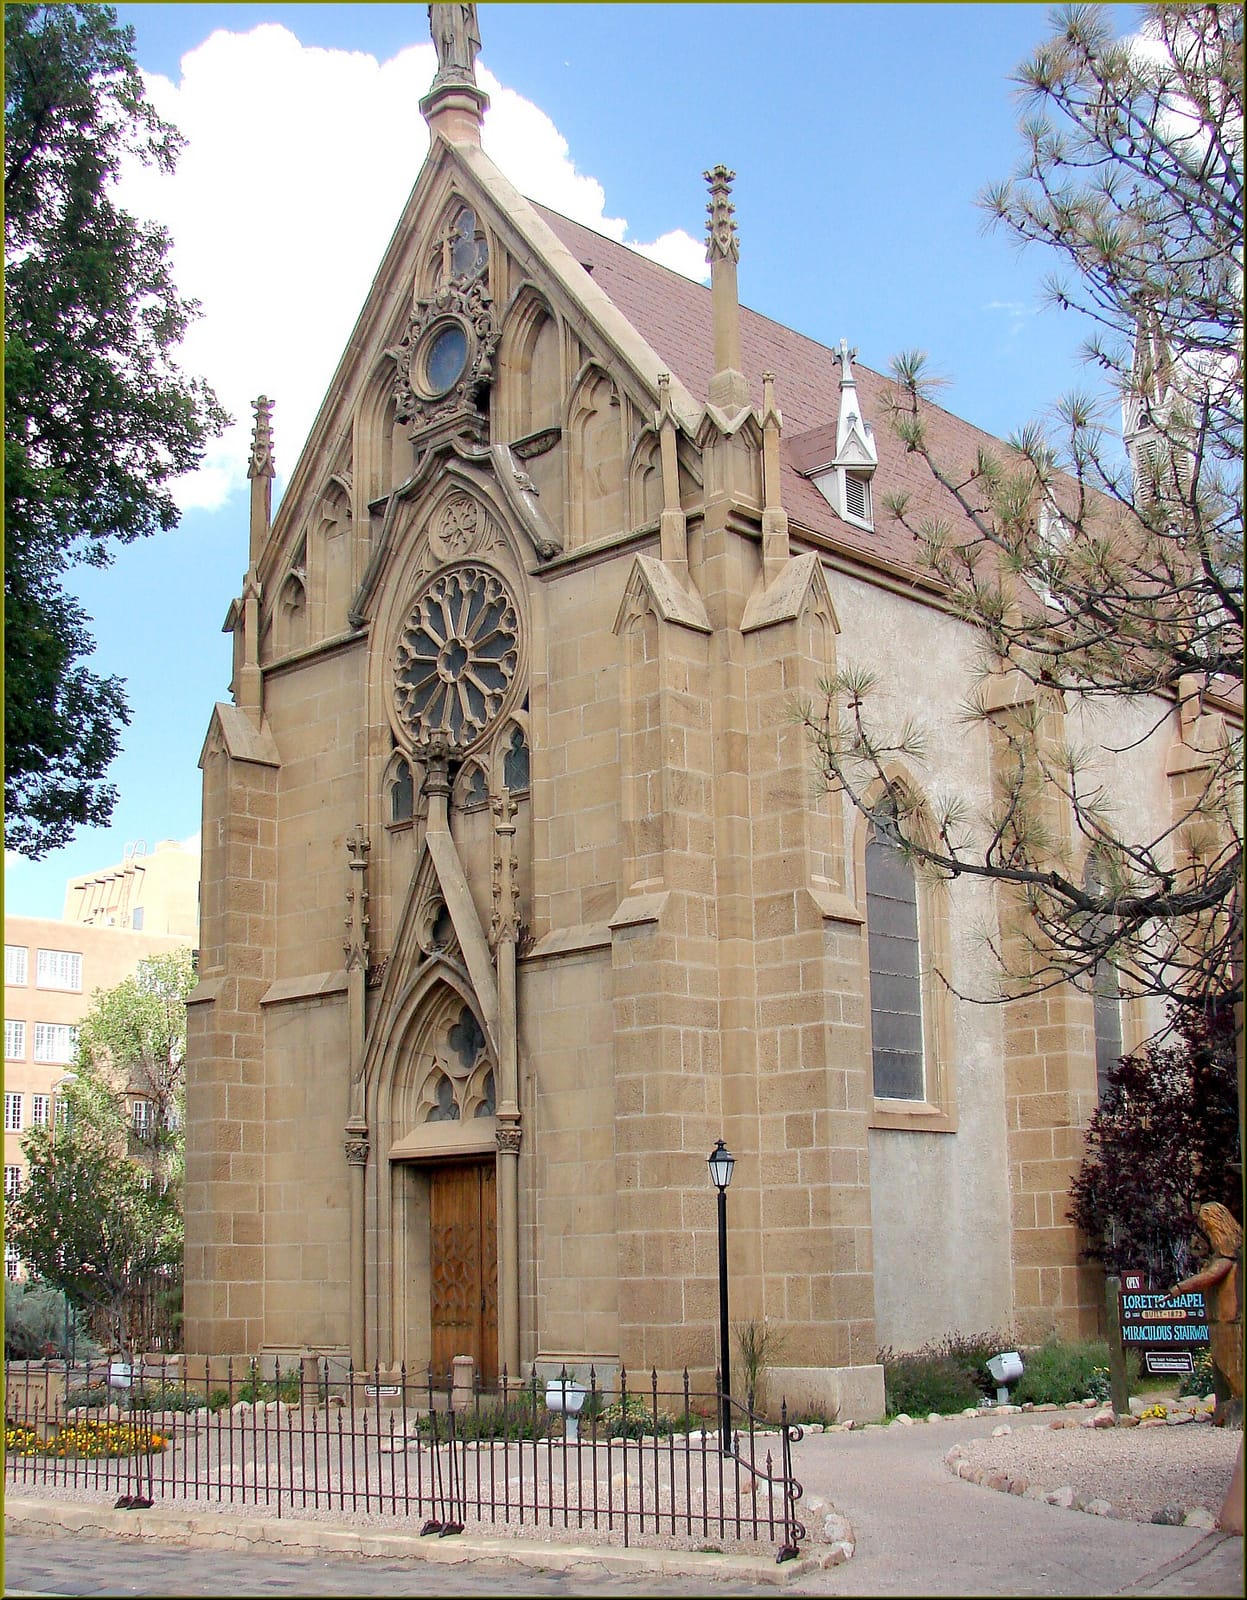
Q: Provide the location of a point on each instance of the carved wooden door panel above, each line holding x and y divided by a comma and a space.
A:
463, 1254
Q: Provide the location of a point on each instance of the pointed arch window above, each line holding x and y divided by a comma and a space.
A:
515, 763
895, 954
402, 792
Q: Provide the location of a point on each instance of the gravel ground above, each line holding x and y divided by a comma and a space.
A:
1138, 1470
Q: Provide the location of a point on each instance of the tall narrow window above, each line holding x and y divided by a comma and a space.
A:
1105, 992
402, 795
12, 1113
15, 963
896, 1029
14, 1039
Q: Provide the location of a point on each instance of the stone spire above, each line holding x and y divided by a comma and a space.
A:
855, 438
728, 388
454, 106
261, 471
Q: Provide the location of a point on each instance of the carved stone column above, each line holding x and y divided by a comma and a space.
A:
356, 1148
503, 932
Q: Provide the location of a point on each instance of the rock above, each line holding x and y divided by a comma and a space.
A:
1063, 1496
1169, 1516
1126, 1421
1104, 1419
1099, 1508
1199, 1517
1175, 1419
1019, 1485
904, 1420
1002, 1431
1047, 1405
970, 1411
999, 1481
934, 1416
1089, 1405
837, 1530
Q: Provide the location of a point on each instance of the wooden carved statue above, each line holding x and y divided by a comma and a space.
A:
1220, 1280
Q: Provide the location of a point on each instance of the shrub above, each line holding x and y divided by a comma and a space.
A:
633, 1418
1200, 1380
925, 1381
92, 1396
256, 1390
36, 1321
166, 1397
520, 1417
1060, 1372
760, 1345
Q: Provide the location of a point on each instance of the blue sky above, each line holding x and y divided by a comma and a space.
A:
860, 135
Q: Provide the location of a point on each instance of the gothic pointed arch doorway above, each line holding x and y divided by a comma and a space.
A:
442, 1228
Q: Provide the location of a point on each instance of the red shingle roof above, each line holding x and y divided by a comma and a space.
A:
672, 314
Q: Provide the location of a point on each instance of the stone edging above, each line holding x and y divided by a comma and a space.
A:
1179, 1414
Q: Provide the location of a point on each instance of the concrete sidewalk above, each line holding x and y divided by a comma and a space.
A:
916, 1529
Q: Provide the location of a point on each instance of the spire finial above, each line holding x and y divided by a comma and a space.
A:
721, 240
261, 465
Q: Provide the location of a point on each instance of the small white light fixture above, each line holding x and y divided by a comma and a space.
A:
1006, 1368
720, 1161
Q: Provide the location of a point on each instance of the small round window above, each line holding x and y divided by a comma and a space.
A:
446, 357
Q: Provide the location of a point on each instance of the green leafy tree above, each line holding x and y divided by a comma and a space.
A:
100, 1214
98, 417
1098, 567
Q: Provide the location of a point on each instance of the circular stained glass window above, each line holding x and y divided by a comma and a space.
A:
445, 358
456, 656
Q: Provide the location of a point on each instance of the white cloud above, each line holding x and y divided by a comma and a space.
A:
297, 165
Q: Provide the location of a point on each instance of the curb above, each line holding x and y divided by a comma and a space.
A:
287, 1535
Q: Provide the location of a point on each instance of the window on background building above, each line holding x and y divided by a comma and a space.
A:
55, 1043
136, 919
13, 1113
15, 963
58, 969
141, 1111
12, 1262
40, 1110
14, 1039
12, 1182
896, 1028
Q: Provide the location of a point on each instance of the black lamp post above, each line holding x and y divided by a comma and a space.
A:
721, 1161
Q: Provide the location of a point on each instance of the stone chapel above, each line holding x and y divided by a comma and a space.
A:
520, 887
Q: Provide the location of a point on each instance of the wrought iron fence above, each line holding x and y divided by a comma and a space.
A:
632, 1463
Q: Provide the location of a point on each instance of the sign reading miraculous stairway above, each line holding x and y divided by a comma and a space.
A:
1165, 1327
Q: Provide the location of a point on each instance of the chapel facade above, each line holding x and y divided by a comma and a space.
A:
520, 886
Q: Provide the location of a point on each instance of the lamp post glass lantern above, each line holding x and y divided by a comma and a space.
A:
721, 1162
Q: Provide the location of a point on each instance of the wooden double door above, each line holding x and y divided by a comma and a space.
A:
463, 1267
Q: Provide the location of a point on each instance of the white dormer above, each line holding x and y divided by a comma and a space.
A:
845, 481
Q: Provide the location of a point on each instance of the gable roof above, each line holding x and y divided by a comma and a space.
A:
672, 313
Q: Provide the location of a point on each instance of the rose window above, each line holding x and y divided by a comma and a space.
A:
456, 656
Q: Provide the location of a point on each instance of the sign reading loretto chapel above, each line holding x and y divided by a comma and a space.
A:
1166, 1327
